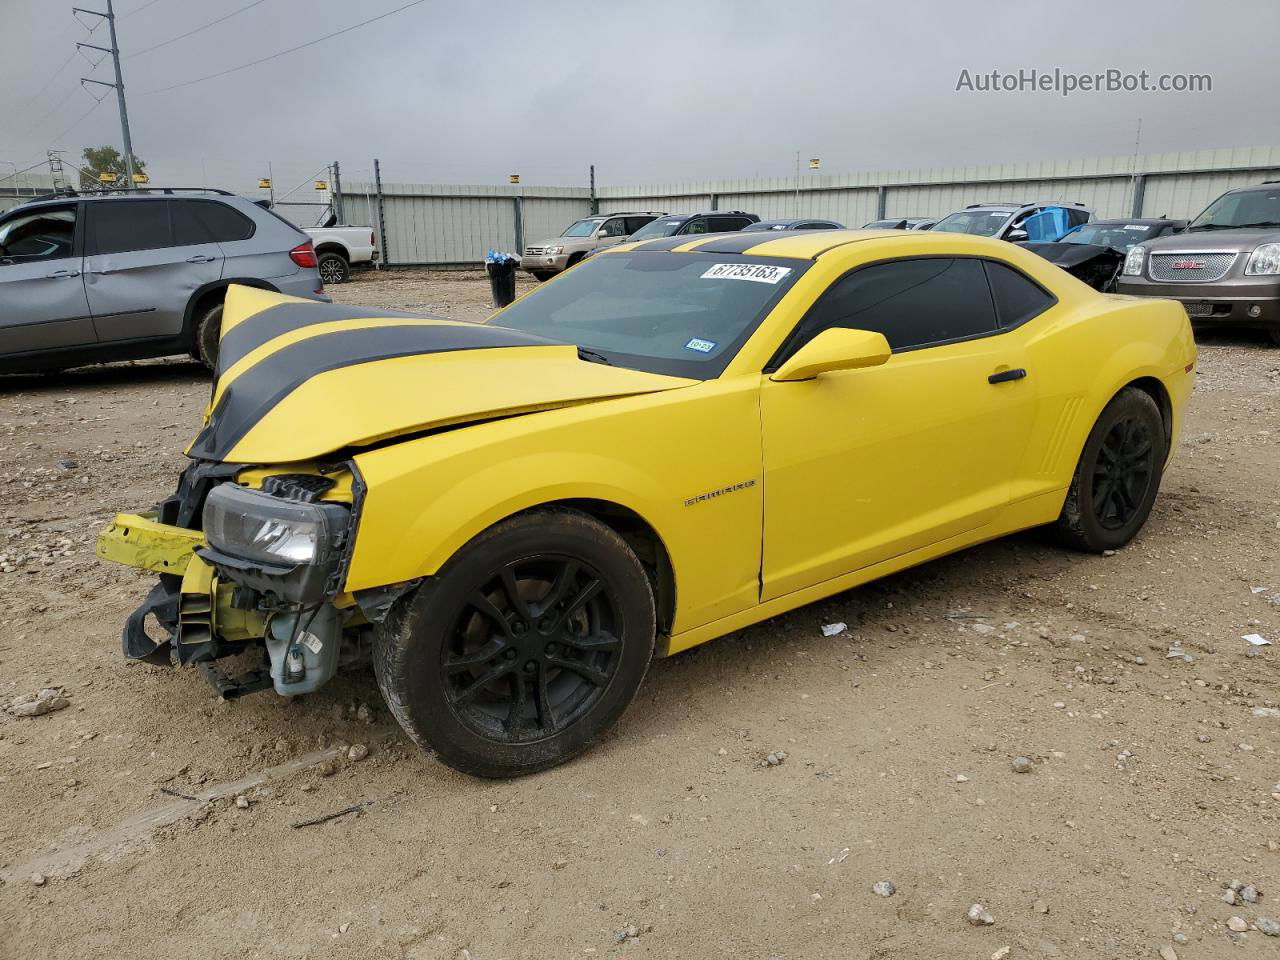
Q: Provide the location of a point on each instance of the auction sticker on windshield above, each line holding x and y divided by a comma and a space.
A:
758, 272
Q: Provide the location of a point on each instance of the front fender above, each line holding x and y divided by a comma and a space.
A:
687, 462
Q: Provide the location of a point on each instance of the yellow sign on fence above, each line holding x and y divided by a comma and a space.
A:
108, 177
264, 184
141, 178
514, 178
322, 184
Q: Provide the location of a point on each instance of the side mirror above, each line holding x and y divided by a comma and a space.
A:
1016, 236
832, 350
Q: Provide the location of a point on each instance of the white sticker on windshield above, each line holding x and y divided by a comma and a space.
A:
1134, 226
759, 272
702, 346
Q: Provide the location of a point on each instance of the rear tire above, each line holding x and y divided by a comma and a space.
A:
208, 333
333, 268
542, 275
525, 648
1117, 477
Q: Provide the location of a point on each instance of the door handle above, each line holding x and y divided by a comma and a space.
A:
1004, 376
200, 258
63, 274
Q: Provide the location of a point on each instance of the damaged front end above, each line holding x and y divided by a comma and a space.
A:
248, 558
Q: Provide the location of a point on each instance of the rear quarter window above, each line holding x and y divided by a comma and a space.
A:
225, 224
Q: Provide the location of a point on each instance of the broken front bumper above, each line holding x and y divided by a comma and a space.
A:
190, 604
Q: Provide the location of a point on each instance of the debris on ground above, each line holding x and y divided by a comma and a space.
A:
357, 752
354, 808
774, 759
38, 704
979, 916
883, 888
1237, 924
1022, 765
1257, 639
832, 629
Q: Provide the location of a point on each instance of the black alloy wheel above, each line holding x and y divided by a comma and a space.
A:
1122, 472
533, 649
1118, 475
525, 647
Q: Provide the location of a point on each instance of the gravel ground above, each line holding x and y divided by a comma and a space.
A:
146, 818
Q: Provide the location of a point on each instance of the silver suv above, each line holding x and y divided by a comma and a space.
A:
1044, 222
123, 275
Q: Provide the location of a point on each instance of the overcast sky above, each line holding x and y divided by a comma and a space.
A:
652, 91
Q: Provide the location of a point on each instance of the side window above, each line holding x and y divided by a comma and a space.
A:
614, 228
699, 225
224, 224
1077, 217
1018, 298
187, 228
119, 226
914, 303
635, 223
45, 234
728, 224
1048, 224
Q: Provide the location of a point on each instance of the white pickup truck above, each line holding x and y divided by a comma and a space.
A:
339, 248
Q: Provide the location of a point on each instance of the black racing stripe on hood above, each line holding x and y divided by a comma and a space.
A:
740, 242
265, 325
250, 396
667, 244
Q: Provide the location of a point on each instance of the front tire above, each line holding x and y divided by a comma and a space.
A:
208, 333
1117, 477
333, 268
528, 645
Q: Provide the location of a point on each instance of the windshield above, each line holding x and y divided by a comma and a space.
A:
682, 314
662, 227
1121, 236
1243, 208
583, 228
979, 223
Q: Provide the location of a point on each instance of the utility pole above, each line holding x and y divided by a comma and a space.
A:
595, 204
382, 222
110, 17
336, 194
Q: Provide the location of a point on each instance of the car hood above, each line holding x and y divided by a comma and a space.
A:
298, 379
1197, 240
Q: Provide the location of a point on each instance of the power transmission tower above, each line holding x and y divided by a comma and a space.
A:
55, 171
110, 17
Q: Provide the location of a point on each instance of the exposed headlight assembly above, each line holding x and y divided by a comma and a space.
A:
1264, 260
276, 546
1133, 261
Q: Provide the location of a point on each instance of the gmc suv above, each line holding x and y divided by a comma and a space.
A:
1225, 268
128, 274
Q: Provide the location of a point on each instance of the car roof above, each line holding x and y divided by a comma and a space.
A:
144, 193
1141, 221
804, 244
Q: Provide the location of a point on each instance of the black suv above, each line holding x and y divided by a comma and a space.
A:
678, 224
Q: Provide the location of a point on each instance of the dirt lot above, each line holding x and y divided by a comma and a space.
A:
1153, 780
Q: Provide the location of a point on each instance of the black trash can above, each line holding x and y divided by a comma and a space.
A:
502, 278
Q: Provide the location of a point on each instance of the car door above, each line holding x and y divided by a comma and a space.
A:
43, 305
140, 273
865, 465
613, 230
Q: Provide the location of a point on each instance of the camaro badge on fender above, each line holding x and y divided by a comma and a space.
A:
732, 488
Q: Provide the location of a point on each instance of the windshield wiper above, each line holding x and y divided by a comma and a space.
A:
1260, 223
593, 357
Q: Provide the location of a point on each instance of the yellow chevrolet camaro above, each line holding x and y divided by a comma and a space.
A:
667, 443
